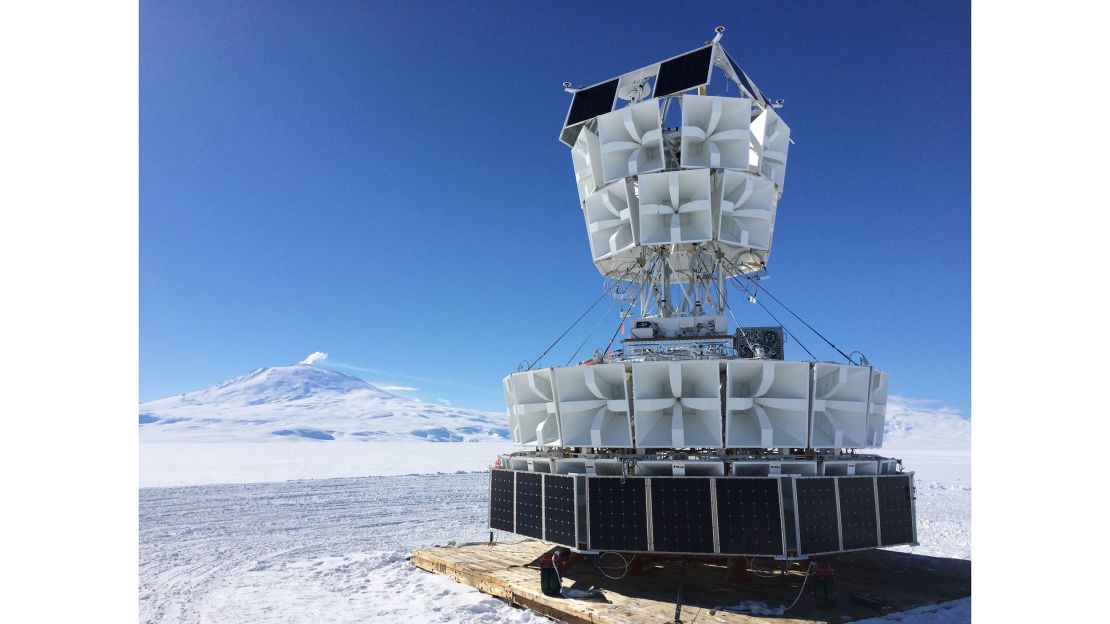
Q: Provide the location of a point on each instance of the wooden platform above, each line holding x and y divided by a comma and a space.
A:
511, 571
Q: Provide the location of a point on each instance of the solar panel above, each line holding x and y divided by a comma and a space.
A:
745, 82
569, 135
857, 512
895, 510
618, 513
558, 509
684, 72
529, 504
817, 519
591, 102
501, 500
681, 515
748, 516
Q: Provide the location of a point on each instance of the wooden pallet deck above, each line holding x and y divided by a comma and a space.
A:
510, 571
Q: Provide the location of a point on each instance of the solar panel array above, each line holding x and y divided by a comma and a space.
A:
681, 73
751, 516
870, 511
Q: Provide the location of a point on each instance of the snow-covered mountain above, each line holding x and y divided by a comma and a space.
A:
307, 402
920, 424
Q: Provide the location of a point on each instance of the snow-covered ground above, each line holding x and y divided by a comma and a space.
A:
195, 463
334, 550
261, 536
310, 551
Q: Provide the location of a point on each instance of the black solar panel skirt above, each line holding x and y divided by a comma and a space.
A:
751, 516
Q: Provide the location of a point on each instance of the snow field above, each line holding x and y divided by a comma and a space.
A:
334, 551
166, 464
327, 551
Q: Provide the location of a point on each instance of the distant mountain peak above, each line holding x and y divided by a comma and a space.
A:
306, 401
277, 384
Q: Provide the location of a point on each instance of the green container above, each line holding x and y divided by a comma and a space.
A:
549, 582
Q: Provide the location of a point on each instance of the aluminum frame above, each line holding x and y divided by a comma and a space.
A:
913, 504
715, 521
743, 82
782, 520
878, 520
839, 517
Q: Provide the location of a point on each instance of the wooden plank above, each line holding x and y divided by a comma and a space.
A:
510, 571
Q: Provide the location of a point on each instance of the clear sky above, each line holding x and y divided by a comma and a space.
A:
383, 182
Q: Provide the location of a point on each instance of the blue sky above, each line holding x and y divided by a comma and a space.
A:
383, 182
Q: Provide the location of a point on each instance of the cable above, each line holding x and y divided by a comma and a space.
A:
623, 315
760, 573
809, 570
602, 568
743, 334
617, 330
760, 608
776, 299
631, 304
565, 332
769, 313
592, 332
